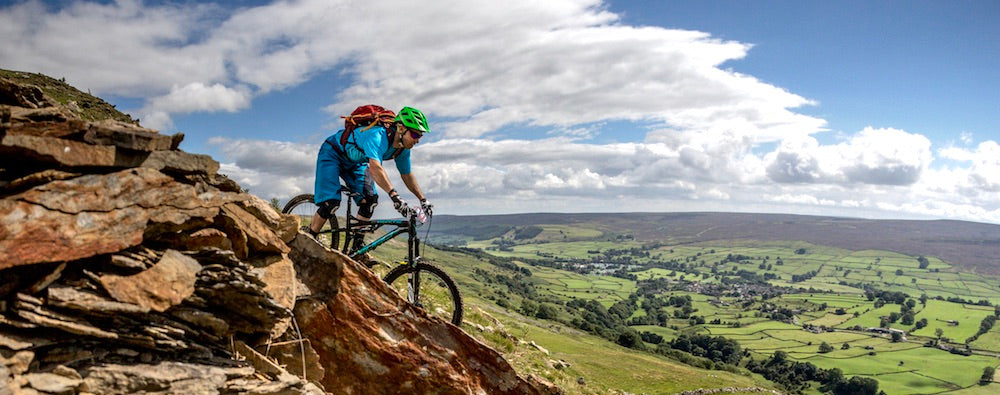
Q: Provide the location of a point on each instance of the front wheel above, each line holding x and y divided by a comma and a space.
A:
303, 207
436, 293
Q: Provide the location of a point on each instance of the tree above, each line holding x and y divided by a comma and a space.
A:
546, 311
628, 337
923, 262
896, 337
529, 307
825, 348
987, 377
938, 332
857, 385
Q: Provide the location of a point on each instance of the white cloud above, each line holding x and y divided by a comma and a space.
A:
984, 171
553, 63
872, 156
564, 68
200, 97
274, 157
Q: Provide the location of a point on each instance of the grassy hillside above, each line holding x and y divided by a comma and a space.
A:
813, 294
534, 346
969, 245
86, 106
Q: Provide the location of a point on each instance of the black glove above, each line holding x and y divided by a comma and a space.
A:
427, 207
400, 205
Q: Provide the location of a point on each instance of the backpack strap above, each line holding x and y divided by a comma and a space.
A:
388, 135
345, 138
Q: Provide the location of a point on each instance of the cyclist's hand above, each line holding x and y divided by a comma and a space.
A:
401, 206
427, 207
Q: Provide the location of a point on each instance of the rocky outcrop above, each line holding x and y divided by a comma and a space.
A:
128, 265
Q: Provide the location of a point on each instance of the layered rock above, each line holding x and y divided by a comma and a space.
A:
128, 265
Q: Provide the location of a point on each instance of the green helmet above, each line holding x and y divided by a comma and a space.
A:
413, 119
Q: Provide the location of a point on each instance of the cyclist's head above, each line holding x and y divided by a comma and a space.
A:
413, 119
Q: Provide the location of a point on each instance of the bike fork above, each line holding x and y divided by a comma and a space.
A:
413, 286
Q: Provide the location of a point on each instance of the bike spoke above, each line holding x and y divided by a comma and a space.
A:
435, 295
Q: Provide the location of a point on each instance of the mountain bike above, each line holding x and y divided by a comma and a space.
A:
421, 284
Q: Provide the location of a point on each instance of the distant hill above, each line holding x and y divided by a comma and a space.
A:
975, 247
83, 105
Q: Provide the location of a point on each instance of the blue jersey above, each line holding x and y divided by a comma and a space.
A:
373, 143
350, 163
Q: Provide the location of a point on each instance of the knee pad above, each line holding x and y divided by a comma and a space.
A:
366, 207
327, 208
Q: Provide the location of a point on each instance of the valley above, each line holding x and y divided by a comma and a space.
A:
917, 323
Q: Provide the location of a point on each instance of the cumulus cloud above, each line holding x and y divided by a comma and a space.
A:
872, 156
197, 96
275, 157
566, 69
560, 174
984, 170
555, 63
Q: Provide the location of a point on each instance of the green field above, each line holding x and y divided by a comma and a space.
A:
825, 284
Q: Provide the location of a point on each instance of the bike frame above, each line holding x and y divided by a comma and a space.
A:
353, 226
408, 273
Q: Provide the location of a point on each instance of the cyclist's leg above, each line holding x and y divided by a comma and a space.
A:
326, 187
360, 181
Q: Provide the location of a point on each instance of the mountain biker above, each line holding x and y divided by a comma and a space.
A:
359, 164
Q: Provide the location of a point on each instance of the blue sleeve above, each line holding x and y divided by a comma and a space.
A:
403, 162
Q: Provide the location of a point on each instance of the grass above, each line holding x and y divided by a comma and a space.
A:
86, 106
988, 341
911, 370
602, 363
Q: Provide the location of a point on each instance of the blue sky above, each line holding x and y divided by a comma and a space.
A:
876, 109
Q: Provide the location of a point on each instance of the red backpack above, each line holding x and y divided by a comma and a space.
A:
368, 116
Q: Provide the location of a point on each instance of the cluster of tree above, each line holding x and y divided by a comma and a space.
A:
623, 273
745, 277
987, 376
885, 297
955, 299
984, 326
738, 258
923, 262
777, 313
527, 232
796, 376
542, 310
593, 317
905, 316
715, 348
516, 284
797, 278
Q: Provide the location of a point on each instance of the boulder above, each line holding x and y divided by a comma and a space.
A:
130, 266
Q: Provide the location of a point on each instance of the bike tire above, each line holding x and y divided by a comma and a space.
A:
438, 293
303, 207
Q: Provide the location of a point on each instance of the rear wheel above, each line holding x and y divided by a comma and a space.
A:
437, 294
303, 207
